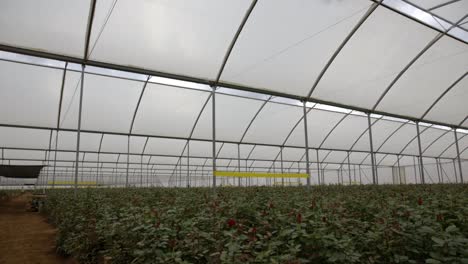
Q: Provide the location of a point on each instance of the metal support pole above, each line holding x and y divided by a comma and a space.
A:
360, 175
306, 143
458, 156
188, 163
55, 159
128, 161
319, 174
282, 167
455, 171
80, 106
213, 122
414, 169
374, 174
349, 170
238, 164
421, 165
438, 170
399, 168
141, 171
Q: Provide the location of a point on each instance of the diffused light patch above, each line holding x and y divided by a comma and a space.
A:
441, 127
31, 59
241, 93
174, 82
333, 108
116, 73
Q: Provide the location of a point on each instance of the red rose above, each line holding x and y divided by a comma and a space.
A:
420, 201
231, 222
299, 218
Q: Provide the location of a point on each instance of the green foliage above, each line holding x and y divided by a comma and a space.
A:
332, 224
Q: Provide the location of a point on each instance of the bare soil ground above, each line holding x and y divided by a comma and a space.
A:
26, 237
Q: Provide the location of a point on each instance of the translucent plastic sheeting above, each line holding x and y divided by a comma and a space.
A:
320, 123
168, 111
264, 152
163, 146
67, 141
333, 156
359, 157
273, 124
451, 152
189, 38
382, 46
245, 150
399, 140
284, 45
426, 4
233, 115
115, 143
228, 151
68, 156
453, 12
203, 127
427, 79
347, 132
24, 154
381, 130
29, 95
70, 100
202, 148
452, 108
385, 160
137, 144
108, 157
427, 136
24, 138
293, 154
56, 27
109, 103
430, 139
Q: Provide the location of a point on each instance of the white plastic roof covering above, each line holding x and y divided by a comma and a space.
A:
268, 55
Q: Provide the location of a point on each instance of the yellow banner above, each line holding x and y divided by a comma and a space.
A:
71, 183
259, 174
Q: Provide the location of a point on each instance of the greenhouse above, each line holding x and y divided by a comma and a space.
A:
139, 94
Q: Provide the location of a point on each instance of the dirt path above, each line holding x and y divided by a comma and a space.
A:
25, 237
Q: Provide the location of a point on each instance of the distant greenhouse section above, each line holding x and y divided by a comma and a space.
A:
233, 93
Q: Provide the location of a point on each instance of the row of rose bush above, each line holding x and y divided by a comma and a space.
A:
330, 224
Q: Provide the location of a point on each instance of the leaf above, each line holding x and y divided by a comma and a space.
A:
438, 241
433, 261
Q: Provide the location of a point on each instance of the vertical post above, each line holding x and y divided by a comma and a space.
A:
414, 168
282, 167
55, 159
399, 168
80, 106
47, 156
354, 173
213, 122
455, 171
141, 171
438, 170
458, 155
374, 176
238, 164
128, 161
306, 143
421, 165
441, 171
349, 170
188, 163
319, 174
360, 176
